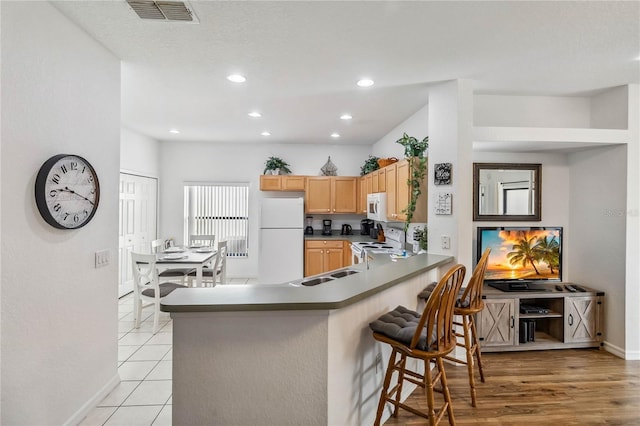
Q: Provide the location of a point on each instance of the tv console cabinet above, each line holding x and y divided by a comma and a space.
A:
565, 319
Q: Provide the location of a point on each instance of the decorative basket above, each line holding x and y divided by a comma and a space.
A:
384, 162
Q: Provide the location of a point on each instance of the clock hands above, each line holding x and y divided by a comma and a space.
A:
71, 191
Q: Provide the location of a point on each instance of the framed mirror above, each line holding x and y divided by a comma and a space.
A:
507, 192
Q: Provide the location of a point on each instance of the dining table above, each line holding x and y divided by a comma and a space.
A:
196, 257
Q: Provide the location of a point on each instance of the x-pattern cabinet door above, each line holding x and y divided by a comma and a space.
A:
497, 323
580, 318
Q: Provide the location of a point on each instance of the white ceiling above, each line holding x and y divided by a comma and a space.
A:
302, 60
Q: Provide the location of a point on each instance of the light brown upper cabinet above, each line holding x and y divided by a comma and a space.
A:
399, 193
374, 181
382, 180
282, 183
331, 194
362, 195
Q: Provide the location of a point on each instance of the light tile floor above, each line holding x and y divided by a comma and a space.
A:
143, 396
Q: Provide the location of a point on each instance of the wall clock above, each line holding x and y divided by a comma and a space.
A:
67, 191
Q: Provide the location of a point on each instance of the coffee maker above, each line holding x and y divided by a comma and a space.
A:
326, 226
366, 225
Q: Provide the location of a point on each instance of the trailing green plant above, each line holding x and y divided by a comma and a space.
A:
275, 163
369, 165
414, 152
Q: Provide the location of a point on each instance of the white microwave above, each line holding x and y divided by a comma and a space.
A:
377, 206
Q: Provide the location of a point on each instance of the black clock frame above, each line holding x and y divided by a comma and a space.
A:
41, 201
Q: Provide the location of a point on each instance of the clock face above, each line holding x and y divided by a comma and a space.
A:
67, 191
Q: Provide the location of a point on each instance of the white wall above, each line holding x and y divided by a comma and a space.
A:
138, 153
182, 162
60, 94
632, 270
417, 126
532, 111
450, 129
609, 109
555, 194
595, 245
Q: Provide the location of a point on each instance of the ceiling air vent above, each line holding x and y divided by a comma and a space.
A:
162, 10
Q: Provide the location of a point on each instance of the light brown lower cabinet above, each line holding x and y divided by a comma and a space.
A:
322, 256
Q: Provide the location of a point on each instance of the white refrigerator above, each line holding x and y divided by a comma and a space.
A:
281, 240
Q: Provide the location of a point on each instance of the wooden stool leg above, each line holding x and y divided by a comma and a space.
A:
385, 387
467, 345
445, 391
403, 364
476, 344
430, 400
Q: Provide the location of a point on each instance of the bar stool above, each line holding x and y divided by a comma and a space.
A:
427, 337
469, 303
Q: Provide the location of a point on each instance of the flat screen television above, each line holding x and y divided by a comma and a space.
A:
521, 257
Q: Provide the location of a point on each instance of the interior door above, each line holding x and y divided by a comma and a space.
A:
137, 224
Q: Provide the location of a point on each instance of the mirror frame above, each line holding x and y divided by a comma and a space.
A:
537, 214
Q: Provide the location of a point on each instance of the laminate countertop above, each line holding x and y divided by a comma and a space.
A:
335, 294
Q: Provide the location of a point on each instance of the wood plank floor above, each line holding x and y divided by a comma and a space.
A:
559, 387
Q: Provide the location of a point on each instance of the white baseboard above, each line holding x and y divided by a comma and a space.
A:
88, 406
622, 353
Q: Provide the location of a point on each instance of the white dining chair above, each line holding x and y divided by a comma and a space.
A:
221, 263
202, 240
173, 274
147, 289
217, 273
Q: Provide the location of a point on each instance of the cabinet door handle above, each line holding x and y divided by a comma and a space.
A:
513, 321
570, 319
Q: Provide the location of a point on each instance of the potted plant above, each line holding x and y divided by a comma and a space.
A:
276, 166
414, 151
369, 165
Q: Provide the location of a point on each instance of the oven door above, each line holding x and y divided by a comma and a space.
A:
355, 255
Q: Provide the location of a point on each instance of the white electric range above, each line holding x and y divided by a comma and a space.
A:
392, 244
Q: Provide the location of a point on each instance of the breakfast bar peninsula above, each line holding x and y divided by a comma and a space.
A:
292, 353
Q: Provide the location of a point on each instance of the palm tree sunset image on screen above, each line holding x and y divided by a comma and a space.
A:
522, 253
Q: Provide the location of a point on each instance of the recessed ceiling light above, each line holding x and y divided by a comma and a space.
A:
236, 78
335, 135
345, 117
265, 133
255, 114
174, 131
365, 82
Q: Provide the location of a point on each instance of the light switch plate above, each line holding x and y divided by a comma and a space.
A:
446, 242
102, 258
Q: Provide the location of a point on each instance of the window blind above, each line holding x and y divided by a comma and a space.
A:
221, 209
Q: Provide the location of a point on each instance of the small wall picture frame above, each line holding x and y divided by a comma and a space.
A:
442, 174
444, 203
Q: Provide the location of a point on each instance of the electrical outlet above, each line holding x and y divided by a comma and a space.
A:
446, 242
102, 258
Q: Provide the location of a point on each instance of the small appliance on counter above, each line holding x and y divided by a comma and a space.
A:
346, 229
308, 230
326, 227
365, 226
